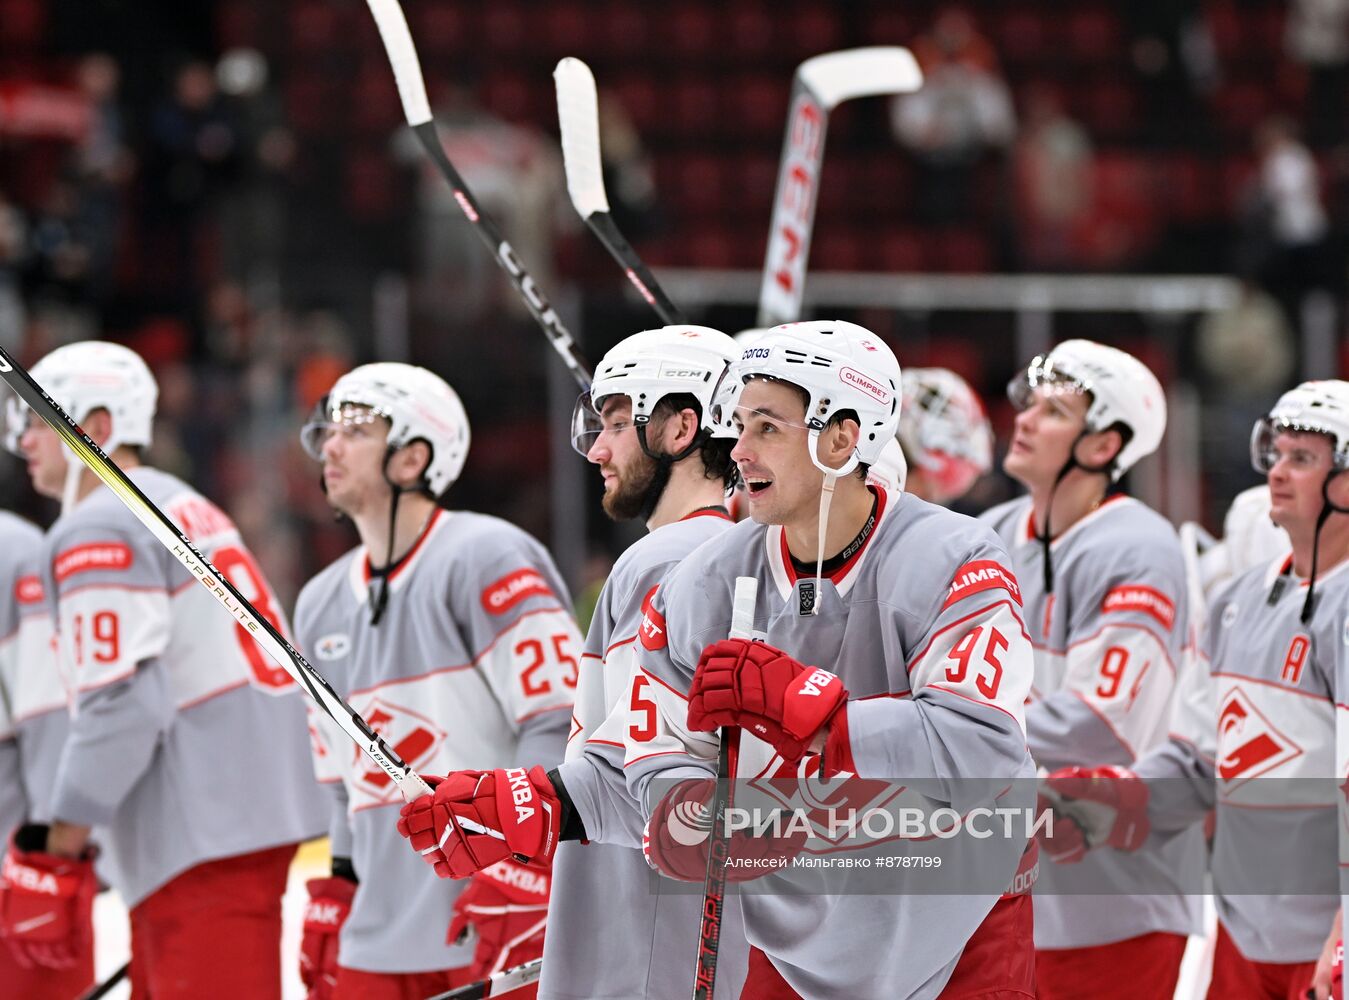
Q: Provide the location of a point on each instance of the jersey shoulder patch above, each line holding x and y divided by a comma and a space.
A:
979, 575
92, 556
501, 595
651, 631
1140, 597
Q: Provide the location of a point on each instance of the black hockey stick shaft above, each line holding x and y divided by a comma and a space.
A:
407, 71
723, 797
104, 988
500, 985
168, 534
603, 226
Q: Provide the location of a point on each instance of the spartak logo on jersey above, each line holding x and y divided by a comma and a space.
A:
827, 803
651, 631
980, 575
511, 589
412, 736
1248, 743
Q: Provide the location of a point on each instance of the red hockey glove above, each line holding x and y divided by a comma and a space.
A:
1109, 803
764, 691
1062, 838
1337, 973
477, 818
507, 905
46, 901
329, 905
675, 840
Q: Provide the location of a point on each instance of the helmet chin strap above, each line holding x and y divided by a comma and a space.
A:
831, 477
1328, 507
664, 466
70, 490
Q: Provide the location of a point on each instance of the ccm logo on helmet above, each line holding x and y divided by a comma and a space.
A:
651, 632
982, 574
513, 588
872, 388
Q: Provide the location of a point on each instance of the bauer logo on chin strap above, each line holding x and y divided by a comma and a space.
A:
805, 597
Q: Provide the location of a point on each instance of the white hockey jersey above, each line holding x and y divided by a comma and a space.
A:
33, 717
1108, 644
473, 665
923, 625
187, 743
606, 899
1256, 743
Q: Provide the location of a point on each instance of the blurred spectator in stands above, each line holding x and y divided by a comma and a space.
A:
1246, 356
193, 148
1172, 51
961, 118
1316, 35
254, 201
1053, 167
1286, 246
13, 243
57, 277
102, 165
515, 174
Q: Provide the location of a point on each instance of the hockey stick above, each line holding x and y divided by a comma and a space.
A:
104, 988
407, 71
579, 120
820, 84
723, 797
167, 534
499, 985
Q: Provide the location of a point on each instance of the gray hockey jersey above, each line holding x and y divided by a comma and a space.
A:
187, 743
473, 665
1256, 743
606, 900
1108, 644
33, 717
923, 625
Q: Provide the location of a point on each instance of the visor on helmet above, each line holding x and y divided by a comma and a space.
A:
1265, 452
327, 419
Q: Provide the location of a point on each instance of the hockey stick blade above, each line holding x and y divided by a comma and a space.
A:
579, 122
393, 31
499, 985
180, 546
723, 797
819, 85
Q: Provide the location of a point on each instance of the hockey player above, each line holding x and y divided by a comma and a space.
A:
1256, 742
816, 402
1104, 586
33, 726
646, 424
449, 631
186, 746
945, 434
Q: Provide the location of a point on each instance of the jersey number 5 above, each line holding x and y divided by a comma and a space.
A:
986, 680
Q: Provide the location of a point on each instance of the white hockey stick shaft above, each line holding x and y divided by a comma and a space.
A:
217, 584
820, 84
578, 117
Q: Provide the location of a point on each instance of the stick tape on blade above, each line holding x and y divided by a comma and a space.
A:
579, 120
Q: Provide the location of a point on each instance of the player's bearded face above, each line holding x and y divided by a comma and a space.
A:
781, 483
1043, 434
628, 472
1301, 462
46, 458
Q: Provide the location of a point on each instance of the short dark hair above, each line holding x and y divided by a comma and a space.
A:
714, 452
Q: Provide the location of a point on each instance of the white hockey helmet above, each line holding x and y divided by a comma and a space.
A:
1319, 406
840, 366
891, 468
418, 404
1121, 387
944, 429
94, 375
653, 364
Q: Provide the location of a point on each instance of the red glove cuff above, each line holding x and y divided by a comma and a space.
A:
838, 756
